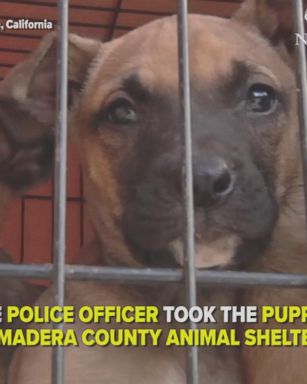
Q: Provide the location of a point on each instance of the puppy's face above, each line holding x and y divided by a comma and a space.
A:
244, 128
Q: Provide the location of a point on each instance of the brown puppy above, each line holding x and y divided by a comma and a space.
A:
127, 128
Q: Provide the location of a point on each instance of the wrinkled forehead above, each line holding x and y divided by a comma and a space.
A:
151, 52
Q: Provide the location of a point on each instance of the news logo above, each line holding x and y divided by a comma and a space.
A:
301, 38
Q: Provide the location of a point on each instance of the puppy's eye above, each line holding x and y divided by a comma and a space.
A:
261, 99
121, 111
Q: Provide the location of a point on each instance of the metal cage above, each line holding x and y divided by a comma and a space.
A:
59, 271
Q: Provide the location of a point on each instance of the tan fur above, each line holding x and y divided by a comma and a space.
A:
101, 186
281, 365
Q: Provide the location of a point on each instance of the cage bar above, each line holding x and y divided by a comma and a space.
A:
301, 73
187, 179
60, 186
128, 275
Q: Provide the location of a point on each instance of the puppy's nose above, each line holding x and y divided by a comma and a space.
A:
213, 181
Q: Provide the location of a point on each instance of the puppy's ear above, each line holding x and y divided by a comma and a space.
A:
33, 82
26, 146
27, 109
273, 18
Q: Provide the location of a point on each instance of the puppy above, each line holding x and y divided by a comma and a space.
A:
126, 124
